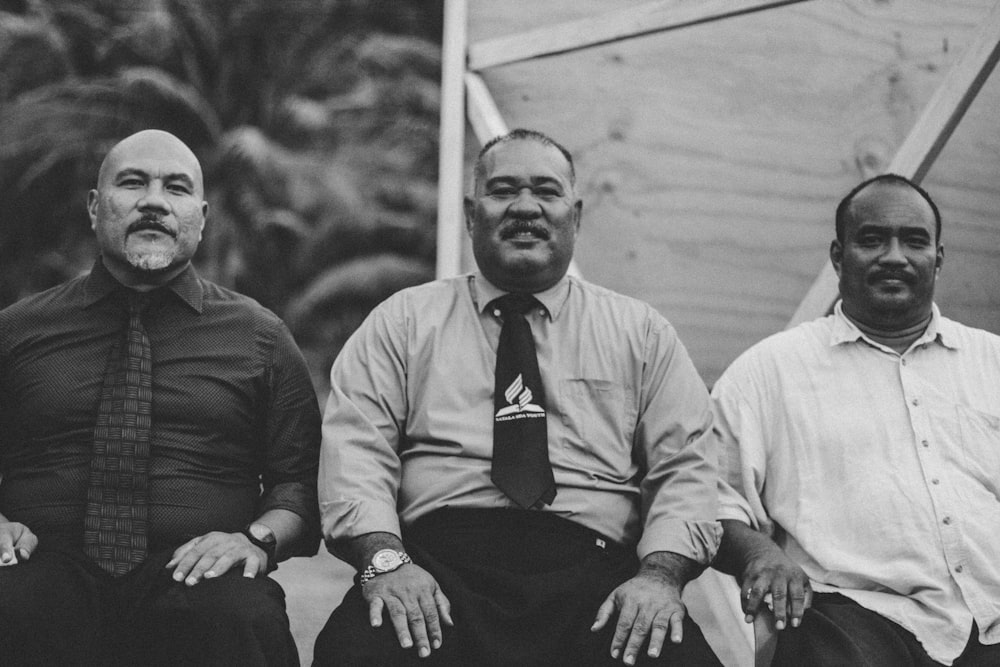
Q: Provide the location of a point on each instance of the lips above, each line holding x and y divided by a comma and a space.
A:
151, 225
891, 276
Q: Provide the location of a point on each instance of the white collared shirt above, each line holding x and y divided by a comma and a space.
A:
878, 473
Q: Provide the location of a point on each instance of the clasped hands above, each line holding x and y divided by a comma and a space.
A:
649, 607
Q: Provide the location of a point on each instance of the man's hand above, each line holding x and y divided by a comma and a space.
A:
772, 572
17, 542
415, 603
212, 555
649, 606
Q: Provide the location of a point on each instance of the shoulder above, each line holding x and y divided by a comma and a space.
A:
791, 348
967, 337
230, 308
50, 304
600, 302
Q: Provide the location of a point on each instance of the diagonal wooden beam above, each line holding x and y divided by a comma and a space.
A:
484, 116
925, 140
631, 21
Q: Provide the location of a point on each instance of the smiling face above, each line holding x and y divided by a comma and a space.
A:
148, 210
523, 216
889, 258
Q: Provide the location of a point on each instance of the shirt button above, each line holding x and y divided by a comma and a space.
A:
947, 521
958, 568
915, 401
935, 481
903, 362
496, 312
925, 443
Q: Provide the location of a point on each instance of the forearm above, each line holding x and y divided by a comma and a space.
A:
673, 569
740, 544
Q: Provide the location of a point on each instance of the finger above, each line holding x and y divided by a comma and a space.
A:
375, 612
221, 566
251, 566
752, 597
677, 627
431, 620
6, 548
444, 607
181, 551
656, 637
779, 602
623, 629
26, 544
800, 597
636, 638
603, 613
397, 614
418, 630
201, 566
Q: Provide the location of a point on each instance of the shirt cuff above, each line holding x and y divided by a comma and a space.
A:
697, 540
344, 520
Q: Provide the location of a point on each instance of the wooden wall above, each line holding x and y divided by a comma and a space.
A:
711, 157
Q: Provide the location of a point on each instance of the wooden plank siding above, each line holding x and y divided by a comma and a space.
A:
712, 157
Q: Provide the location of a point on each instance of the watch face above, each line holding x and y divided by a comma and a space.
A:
386, 560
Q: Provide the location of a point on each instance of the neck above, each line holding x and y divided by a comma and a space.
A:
898, 339
142, 281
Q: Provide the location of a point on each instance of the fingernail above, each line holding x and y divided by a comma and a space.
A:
436, 643
614, 653
191, 581
248, 575
629, 659
209, 574
424, 652
795, 622
654, 653
178, 576
780, 625
406, 643
5, 558
24, 554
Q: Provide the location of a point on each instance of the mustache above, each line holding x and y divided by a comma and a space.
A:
153, 223
522, 226
891, 275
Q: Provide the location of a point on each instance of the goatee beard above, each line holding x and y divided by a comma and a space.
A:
149, 261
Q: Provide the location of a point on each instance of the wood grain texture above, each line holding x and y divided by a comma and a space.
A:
711, 158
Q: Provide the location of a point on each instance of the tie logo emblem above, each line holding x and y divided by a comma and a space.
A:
520, 406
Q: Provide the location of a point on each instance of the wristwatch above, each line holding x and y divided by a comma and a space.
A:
261, 537
384, 560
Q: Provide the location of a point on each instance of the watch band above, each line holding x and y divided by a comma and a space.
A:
270, 548
371, 571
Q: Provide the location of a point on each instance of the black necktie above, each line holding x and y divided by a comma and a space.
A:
115, 519
521, 467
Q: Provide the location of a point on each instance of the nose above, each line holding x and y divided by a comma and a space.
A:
894, 253
154, 199
525, 205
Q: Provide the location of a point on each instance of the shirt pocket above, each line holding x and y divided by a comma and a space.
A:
979, 442
599, 420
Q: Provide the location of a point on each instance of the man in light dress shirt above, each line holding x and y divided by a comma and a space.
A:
465, 576
866, 447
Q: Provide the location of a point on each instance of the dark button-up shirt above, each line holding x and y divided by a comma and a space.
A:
235, 419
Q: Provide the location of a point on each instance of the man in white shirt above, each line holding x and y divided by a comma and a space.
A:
865, 447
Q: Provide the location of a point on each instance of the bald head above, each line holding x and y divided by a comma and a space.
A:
154, 142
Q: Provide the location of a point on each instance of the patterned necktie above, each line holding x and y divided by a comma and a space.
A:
521, 467
116, 515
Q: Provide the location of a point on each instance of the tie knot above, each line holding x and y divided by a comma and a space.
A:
516, 303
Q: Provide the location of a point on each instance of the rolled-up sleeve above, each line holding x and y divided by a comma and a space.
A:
292, 441
675, 441
741, 453
362, 423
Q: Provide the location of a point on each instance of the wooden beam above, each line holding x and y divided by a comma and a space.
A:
451, 155
631, 21
484, 116
923, 144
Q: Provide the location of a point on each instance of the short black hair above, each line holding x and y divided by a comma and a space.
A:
520, 133
844, 207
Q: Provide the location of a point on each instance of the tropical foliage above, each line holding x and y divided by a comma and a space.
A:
315, 120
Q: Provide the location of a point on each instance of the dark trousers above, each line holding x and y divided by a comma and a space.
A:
524, 587
836, 631
59, 608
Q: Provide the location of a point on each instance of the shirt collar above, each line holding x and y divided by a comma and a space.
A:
101, 284
939, 330
553, 299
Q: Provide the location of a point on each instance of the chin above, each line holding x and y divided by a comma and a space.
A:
150, 262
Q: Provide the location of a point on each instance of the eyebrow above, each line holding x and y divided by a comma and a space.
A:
535, 180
